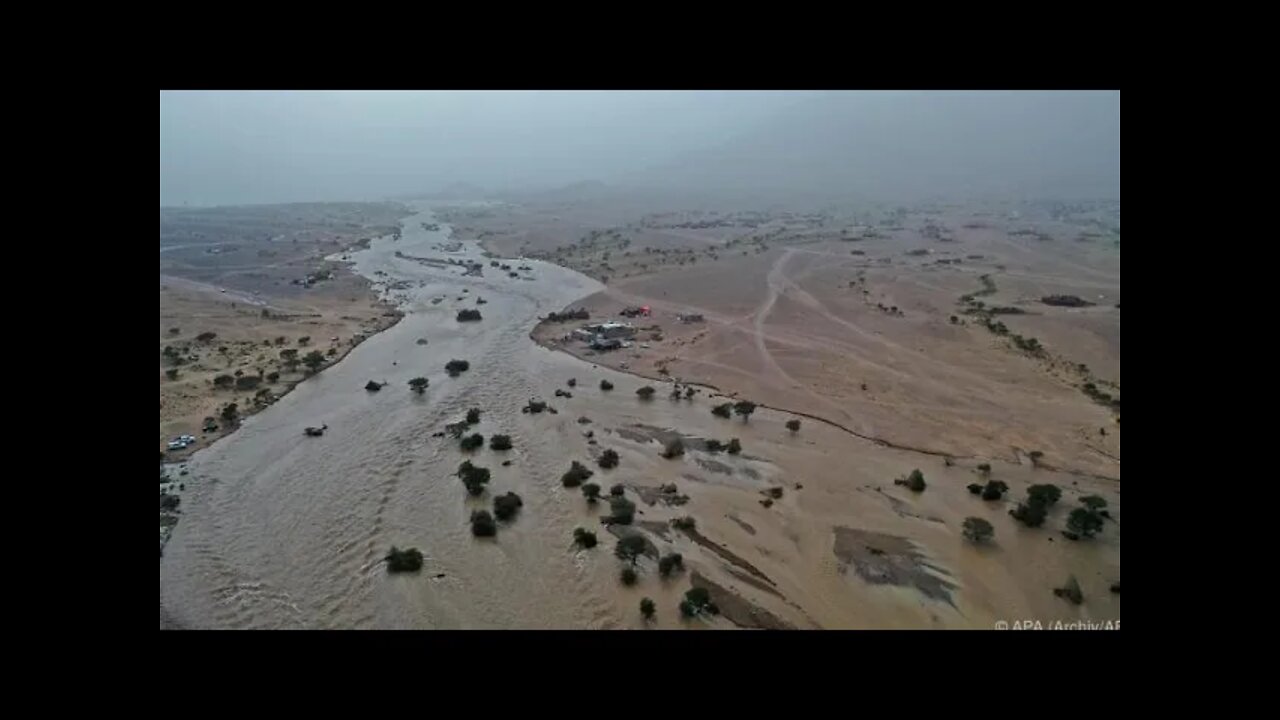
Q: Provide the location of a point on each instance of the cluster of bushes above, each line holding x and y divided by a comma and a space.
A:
1035, 508
468, 315
993, 490
1030, 345
472, 442
500, 442
579, 314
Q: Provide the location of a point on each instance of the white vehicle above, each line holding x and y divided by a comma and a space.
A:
177, 445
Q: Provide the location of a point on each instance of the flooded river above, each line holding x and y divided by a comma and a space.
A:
284, 531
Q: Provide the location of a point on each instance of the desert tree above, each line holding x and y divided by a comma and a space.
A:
419, 384
1094, 502
630, 548
1084, 522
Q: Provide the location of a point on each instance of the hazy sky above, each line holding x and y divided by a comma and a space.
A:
260, 146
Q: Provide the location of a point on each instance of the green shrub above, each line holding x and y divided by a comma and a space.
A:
647, 608
674, 449
404, 560
734, 447
576, 474
584, 538
915, 481
622, 510
978, 530
592, 492
482, 524
646, 392
506, 506
975, 488
629, 576
684, 523
455, 367
1084, 522
630, 548
499, 442
670, 563
793, 425
1031, 513
473, 416
722, 410
608, 459
1046, 494
1094, 502
606, 385
472, 442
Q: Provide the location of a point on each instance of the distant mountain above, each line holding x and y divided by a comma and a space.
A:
904, 145
452, 191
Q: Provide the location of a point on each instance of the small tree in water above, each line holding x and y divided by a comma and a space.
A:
608, 459
505, 506
674, 449
734, 447
629, 576
630, 548
500, 442
1094, 502
915, 481
471, 442
473, 416
404, 560
744, 408
793, 425
482, 524
576, 474
584, 538
645, 392
978, 530
419, 384
647, 609
592, 492
722, 410
606, 385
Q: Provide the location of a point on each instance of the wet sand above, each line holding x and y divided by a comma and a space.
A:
285, 531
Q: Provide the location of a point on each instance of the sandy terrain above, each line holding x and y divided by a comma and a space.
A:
241, 274
866, 340
804, 530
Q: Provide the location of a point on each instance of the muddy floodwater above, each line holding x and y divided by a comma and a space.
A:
280, 530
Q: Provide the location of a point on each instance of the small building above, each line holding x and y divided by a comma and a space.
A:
612, 330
